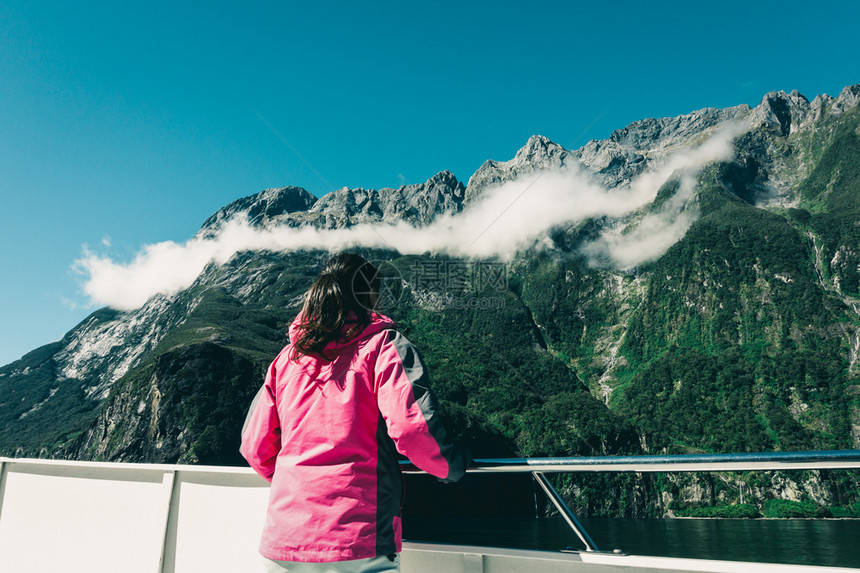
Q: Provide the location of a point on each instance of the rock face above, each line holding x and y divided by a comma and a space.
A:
780, 112
612, 162
742, 336
631, 150
537, 154
415, 204
187, 406
264, 208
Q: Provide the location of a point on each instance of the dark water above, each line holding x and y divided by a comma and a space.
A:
802, 541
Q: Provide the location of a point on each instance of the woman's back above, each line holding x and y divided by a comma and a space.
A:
325, 429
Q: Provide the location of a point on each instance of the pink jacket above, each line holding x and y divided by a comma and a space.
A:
325, 433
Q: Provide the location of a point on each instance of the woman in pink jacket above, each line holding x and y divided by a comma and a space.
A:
338, 403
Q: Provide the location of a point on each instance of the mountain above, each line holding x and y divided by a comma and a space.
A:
740, 332
293, 206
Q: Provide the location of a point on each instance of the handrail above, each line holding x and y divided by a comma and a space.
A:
766, 461
769, 461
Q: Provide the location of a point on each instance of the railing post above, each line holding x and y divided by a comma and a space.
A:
565, 512
3, 465
169, 484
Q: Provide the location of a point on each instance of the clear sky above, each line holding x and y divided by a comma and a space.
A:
125, 125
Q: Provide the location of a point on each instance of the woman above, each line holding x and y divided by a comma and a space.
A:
338, 402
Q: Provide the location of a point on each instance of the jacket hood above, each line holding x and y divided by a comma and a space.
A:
378, 322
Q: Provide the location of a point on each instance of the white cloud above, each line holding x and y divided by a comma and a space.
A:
509, 217
650, 235
163, 268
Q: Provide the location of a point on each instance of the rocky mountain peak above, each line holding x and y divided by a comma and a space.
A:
628, 151
538, 148
442, 193
656, 136
421, 203
539, 153
796, 95
445, 179
262, 208
849, 98
784, 112
417, 204
789, 113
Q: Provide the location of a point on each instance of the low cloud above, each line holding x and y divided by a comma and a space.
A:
507, 218
649, 237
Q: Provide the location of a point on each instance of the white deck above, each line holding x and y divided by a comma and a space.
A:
105, 517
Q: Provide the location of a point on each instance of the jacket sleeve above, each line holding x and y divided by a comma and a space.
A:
261, 433
411, 411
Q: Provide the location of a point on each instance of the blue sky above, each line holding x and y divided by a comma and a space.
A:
122, 126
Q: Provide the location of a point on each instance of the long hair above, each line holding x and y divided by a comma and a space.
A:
338, 305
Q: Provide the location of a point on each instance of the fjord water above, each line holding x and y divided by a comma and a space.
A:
791, 541
831, 542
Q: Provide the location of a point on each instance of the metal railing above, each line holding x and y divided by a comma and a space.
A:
175, 486
538, 467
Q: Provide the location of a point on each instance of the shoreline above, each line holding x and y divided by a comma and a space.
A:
750, 518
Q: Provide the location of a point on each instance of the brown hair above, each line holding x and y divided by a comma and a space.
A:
344, 293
